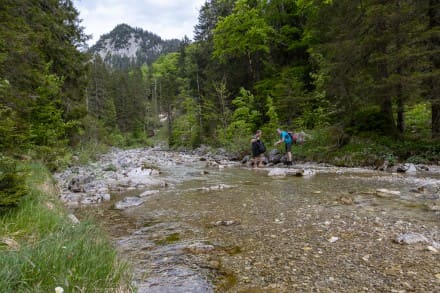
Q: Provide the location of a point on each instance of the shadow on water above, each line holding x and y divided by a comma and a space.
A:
239, 230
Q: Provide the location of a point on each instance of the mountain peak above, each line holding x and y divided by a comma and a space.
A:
126, 46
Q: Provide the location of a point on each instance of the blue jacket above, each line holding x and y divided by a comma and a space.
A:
286, 136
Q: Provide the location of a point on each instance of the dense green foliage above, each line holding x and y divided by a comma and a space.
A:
40, 248
42, 77
12, 184
352, 66
345, 67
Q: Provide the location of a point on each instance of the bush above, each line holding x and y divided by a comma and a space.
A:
54, 157
12, 185
90, 151
370, 119
363, 149
418, 120
236, 137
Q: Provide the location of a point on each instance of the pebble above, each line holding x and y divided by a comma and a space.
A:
333, 239
430, 248
383, 192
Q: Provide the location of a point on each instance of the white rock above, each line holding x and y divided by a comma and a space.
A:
139, 172
411, 238
226, 223
129, 202
305, 172
73, 218
106, 197
148, 192
333, 239
277, 172
410, 168
430, 248
383, 192
216, 187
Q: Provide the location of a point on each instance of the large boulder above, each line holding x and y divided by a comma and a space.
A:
246, 159
406, 168
275, 156
78, 184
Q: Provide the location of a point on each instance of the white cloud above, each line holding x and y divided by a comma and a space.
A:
166, 18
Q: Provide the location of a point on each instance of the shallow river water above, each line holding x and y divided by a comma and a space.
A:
239, 230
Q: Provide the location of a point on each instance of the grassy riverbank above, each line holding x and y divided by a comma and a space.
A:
367, 149
41, 248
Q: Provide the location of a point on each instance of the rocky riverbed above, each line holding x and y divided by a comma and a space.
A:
199, 222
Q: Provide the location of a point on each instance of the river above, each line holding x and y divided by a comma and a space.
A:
235, 229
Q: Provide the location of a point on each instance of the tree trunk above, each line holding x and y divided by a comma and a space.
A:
399, 87
387, 111
384, 90
155, 107
400, 115
199, 103
434, 81
386, 104
435, 106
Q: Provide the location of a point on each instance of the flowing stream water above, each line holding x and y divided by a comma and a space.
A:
240, 230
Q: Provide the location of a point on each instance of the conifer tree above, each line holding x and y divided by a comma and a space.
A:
40, 40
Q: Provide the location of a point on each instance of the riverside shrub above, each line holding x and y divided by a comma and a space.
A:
12, 185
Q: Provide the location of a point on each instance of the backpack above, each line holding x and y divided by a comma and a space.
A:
292, 136
296, 138
258, 147
261, 147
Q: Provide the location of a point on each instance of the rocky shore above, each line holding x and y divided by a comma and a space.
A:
228, 238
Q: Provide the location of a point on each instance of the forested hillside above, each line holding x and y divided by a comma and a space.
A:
341, 69
351, 73
43, 76
126, 47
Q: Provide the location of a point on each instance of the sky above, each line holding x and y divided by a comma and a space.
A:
166, 18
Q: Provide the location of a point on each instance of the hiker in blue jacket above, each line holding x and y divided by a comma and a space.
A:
287, 139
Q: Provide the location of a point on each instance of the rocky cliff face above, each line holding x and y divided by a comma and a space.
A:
125, 46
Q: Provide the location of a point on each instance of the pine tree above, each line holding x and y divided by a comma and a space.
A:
40, 40
368, 55
432, 79
100, 104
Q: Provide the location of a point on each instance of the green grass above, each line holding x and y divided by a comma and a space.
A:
364, 149
40, 248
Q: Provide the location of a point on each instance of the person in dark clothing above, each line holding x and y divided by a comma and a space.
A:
258, 149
